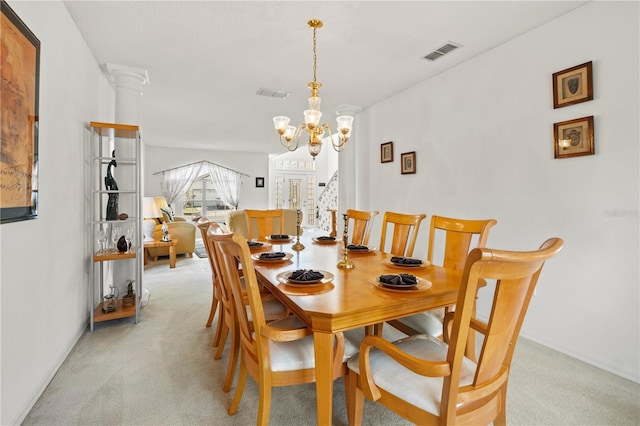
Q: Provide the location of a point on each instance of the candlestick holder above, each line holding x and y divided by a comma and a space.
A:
298, 245
345, 262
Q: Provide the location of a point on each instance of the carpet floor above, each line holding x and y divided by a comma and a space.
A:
161, 372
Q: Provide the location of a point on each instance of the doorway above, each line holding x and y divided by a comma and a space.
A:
296, 191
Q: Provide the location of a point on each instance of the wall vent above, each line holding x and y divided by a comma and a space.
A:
270, 93
441, 51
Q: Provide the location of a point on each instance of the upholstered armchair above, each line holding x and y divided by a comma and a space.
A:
181, 230
237, 222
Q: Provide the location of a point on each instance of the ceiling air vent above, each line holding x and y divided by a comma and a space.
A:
441, 51
270, 93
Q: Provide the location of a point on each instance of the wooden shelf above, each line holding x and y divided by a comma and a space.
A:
119, 130
113, 256
120, 312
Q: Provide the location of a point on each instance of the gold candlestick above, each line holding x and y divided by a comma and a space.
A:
298, 245
345, 262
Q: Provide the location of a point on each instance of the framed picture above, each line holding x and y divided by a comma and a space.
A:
19, 91
573, 138
259, 182
408, 162
386, 152
573, 85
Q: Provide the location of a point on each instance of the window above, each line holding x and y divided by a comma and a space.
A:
202, 198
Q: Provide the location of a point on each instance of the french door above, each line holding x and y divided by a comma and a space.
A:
295, 191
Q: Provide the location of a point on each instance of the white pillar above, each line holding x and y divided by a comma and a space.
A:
127, 82
347, 167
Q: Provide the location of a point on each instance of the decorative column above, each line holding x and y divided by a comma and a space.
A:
347, 163
127, 83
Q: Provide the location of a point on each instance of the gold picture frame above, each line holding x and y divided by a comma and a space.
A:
408, 163
19, 91
386, 152
573, 85
573, 138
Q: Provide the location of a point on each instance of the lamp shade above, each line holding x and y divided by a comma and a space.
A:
149, 208
161, 202
149, 211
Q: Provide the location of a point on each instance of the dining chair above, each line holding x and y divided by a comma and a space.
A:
405, 232
361, 225
203, 224
262, 223
228, 318
454, 237
446, 387
280, 353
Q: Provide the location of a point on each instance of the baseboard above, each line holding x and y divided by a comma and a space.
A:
581, 357
26, 409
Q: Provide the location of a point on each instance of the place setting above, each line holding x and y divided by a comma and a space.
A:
402, 283
360, 248
305, 281
325, 239
278, 238
272, 257
406, 262
258, 245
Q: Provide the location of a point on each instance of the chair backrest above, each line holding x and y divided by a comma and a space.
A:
362, 223
203, 224
405, 232
458, 235
515, 275
233, 248
262, 223
224, 291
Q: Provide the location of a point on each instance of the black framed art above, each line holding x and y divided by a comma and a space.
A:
19, 90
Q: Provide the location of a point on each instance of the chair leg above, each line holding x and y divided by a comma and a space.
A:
233, 360
214, 305
223, 340
264, 400
219, 328
355, 399
242, 381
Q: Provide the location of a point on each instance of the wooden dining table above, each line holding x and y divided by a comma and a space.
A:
348, 298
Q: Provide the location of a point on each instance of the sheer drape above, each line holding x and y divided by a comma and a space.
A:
227, 183
177, 181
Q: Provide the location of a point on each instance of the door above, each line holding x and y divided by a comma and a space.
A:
295, 191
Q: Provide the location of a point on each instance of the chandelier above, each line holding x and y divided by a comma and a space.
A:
290, 135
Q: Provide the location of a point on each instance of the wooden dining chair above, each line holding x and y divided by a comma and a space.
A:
361, 223
228, 318
446, 387
455, 237
203, 224
262, 223
280, 353
405, 232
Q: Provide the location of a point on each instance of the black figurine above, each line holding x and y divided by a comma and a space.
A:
111, 185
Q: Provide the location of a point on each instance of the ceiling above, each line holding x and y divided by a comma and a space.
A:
207, 59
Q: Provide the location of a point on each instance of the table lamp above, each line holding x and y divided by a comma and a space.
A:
150, 211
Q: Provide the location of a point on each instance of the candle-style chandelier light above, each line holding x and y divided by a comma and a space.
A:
290, 135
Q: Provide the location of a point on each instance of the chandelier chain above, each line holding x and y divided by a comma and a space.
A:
314, 55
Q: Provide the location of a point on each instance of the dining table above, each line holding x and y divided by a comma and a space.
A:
347, 299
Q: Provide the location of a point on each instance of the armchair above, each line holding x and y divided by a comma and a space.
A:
179, 229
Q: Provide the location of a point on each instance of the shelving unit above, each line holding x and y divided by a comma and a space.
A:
118, 145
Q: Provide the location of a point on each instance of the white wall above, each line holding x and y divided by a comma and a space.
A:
252, 164
44, 269
482, 133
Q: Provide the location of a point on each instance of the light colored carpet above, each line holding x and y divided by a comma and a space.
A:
161, 372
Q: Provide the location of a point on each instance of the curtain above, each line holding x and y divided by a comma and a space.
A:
177, 181
227, 183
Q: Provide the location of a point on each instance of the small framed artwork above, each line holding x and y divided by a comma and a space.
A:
408, 162
573, 138
386, 152
573, 85
259, 182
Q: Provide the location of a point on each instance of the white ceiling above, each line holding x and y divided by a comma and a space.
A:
207, 59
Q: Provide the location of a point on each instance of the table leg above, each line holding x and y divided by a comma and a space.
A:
323, 349
145, 254
172, 256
